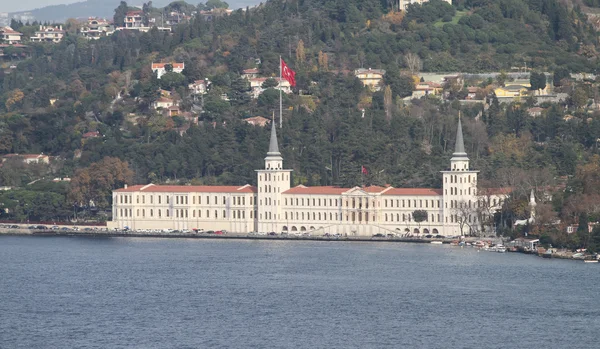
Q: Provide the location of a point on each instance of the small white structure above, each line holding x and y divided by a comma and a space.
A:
531, 218
403, 4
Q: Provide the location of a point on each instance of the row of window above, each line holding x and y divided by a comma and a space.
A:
324, 216
183, 213
408, 218
184, 199
284, 177
455, 179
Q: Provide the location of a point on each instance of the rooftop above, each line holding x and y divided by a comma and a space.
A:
154, 188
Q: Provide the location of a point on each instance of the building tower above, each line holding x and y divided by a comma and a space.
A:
272, 181
532, 205
459, 191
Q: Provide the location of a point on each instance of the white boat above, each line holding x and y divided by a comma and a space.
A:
501, 248
590, 261
436, 242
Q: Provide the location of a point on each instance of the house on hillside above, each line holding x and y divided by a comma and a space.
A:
535, 111
370, 77
28, 158
216, 12
199, 87
163, 103
91, 134
10, 36
257, 89
52, 34
257, 121
159, 68
426, 89
250, 73
96, 28
134, 19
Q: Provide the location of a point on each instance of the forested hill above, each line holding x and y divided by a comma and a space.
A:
333, 125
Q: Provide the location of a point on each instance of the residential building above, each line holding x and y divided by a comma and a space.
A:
403, 4
96, 28
28, 158
10, 36
275, 206
257, 89
199, 87
159, 68
48, 33
370, 77
250, 73
257, 121
163, 103
426, 89
134, 19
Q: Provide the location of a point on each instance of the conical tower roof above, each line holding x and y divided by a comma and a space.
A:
273, 144
459, 147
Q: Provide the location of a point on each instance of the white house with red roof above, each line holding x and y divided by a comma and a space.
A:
10, 36
274, 206
159, 68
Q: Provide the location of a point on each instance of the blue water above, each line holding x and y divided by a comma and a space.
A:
59, 292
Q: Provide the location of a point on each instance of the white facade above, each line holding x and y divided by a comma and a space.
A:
10, 36
48, 34
454, 210
159, 68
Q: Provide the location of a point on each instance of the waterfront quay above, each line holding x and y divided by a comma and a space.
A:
204, 235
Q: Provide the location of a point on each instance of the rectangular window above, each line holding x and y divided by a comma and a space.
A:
223, 213
167, 199
168, 212
176, 199
223, 200
193, 200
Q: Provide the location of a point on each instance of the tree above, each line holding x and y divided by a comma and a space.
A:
171, 80
269, 83
419, 216
465, 214
120, 14
413, 63
537, 80
388, 103
94, 184
559, 74
213, 4
300, 55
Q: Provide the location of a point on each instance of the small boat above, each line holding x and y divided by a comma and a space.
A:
500, 248
436, 242
547, 254
590, 261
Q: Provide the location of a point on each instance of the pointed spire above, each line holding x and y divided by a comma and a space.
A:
459, 148
273, 145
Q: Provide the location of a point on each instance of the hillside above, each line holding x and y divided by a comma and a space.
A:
100, 8
67, 90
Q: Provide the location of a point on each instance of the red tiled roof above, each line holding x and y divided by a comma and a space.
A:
162, 65
152, 188
251, 71
91, 134
413, 191
9, 30
134, 13
326, 190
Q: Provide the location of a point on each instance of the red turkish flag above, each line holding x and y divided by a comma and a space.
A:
288, 74
364, 170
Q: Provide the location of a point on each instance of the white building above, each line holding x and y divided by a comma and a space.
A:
96, 28
48, 34
10, 36
159, 68
403, 4
274, 206
257, 89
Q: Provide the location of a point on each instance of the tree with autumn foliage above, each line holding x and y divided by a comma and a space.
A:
95, 183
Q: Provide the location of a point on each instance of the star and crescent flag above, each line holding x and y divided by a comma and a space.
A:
288, 73
364, 170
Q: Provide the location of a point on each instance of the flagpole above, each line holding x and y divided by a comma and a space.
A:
280, 103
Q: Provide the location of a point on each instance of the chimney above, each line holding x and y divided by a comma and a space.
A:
125, 187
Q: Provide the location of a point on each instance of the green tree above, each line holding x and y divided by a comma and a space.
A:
120, 14
537, 80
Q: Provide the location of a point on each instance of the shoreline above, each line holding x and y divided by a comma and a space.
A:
242, 236
230, 236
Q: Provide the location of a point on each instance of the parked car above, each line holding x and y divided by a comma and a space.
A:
41, 227
272, 233
378, 235
219, 232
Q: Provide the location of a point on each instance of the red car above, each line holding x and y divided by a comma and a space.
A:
219, 232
